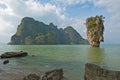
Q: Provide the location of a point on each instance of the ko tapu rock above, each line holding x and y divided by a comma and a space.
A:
95, 29
33, 32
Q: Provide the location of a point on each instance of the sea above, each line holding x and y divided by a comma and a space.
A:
71, 58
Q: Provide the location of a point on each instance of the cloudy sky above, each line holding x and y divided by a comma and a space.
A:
62, 13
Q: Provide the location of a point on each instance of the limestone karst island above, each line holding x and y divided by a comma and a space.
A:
95, 29
31, 32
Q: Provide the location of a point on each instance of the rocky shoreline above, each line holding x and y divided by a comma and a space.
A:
92, 72
56, 74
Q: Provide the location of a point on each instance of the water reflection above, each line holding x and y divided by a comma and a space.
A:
96, 55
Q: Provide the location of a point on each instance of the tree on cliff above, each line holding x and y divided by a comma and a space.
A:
95, 29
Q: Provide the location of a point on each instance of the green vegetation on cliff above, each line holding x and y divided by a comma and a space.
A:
30, 32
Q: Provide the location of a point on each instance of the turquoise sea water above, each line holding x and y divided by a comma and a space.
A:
71, 58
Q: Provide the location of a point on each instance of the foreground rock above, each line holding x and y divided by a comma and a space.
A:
95, 29
5, 62
32, 77
56, 74
14, 54
94, 72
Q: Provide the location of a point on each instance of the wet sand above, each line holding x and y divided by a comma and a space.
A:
11, 76
15, 75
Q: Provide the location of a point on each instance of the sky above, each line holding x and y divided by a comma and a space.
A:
62, 13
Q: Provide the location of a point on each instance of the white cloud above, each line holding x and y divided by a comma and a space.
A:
12, 11
113, 24
112, 6
69, 2
5, 31
17, 9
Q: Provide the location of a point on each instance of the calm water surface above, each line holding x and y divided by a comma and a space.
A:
71, 58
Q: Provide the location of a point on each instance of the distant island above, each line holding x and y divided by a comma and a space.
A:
33, 32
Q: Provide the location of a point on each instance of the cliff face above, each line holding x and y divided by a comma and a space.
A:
74, 36
95, 29
94, 72
30, 31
